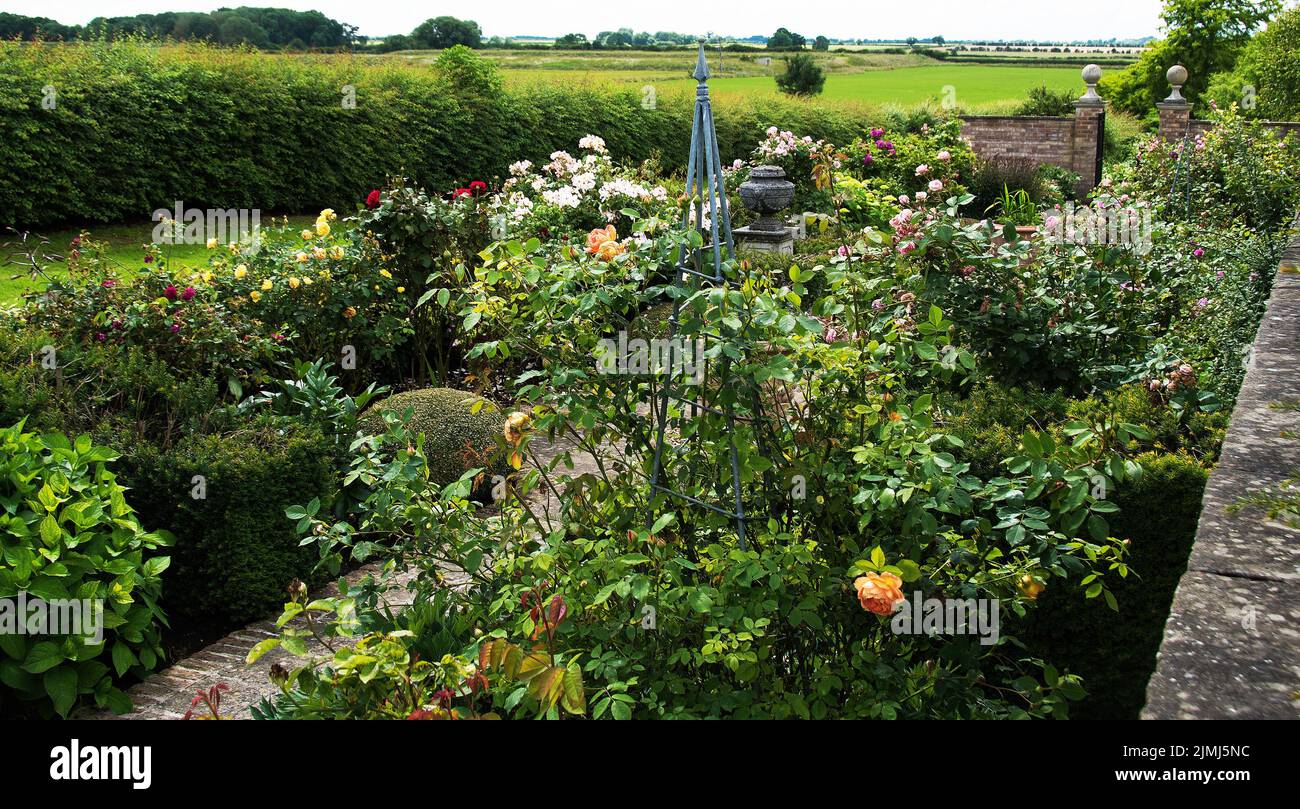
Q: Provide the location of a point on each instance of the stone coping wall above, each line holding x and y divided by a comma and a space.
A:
1231, 648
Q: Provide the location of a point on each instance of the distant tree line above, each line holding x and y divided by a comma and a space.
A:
268, 28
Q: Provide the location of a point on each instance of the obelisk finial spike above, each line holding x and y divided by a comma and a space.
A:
701, 66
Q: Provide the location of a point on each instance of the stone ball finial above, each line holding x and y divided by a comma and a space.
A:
1091, 75
1177, 76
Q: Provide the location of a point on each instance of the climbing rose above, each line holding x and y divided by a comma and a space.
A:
609, 250
516, 424
599, 236
372, 199
879, 592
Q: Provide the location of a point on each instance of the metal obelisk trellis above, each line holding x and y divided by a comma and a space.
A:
702, 265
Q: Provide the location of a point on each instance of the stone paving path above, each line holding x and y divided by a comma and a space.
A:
167, 693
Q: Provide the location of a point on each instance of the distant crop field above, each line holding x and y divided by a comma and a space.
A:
971, 87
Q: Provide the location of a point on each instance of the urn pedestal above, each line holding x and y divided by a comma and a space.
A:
767, 192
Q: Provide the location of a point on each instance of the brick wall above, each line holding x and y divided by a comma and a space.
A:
1072, 143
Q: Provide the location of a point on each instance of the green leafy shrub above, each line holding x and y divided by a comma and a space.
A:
992, 417
236, 551
117, 393
460, 429
1268, 72
67, 532
1238, 171
1043, 100
802, 76
1194, 432
1116, 652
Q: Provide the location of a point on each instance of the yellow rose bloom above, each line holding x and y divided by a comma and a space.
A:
301, 258
267, 284
318, 253
306, 280
255, 295
307, 235
294, 283
386, 273
241, 271
322, 227
328, 214
212, 243
336, 252
401, 290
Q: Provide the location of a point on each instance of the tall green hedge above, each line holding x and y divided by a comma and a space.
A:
135, 127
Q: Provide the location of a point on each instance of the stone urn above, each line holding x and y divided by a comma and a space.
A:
767, 192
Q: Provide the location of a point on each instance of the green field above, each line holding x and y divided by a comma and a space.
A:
970, 86
851, 76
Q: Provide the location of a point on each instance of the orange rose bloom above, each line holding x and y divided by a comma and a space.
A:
598, 237
610, 249
879, 592
516, 425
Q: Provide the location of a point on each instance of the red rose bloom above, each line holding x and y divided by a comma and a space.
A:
170, 292
372, 200
188, 294
477, 187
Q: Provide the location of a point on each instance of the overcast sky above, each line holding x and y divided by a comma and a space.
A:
955, 19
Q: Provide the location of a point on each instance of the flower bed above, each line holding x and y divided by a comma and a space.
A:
929, 406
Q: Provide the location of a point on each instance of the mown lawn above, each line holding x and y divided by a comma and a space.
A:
124, 249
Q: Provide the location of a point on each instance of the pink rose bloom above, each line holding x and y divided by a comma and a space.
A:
1198, 252
188, 294
944, 155
936, 186
906, 247
904, 200
921, 196
170, 292
922, 170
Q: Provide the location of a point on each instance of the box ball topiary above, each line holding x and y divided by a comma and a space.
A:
458, 436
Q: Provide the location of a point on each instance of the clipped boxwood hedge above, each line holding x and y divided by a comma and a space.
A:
456, 439
1115, 652
235, 551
